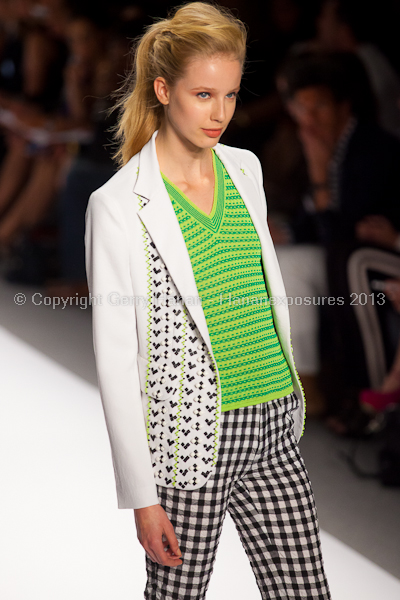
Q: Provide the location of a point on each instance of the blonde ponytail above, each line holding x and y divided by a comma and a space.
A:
195, 29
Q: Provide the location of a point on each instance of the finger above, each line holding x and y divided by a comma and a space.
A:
172, 539
171, 554
150, 554
151, 558
162, 556
149, 550
168, 549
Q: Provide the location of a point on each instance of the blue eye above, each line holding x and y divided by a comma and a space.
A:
205, 95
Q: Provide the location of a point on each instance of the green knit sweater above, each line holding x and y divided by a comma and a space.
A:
225, 253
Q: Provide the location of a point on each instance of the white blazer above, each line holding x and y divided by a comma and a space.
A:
158, 378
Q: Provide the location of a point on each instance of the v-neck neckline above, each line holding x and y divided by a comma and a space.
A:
214, 219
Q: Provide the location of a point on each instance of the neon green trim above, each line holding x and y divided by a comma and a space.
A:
213, 220
301, 386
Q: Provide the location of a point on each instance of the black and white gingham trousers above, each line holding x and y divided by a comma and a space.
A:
261, 479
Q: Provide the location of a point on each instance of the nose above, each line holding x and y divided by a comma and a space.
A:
219, 110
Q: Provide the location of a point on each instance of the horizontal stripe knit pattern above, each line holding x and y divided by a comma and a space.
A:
225, 254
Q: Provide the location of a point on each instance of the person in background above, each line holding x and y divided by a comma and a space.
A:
352, 199
29, 173
93, 164
88, 77
350, 26
275, 26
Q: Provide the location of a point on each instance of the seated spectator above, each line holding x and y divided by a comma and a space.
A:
28, 175
349, 26
31, 190
354, 187
92, 166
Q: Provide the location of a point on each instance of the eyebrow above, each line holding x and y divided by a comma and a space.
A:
207, 89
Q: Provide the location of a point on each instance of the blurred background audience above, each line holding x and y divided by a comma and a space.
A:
320, 106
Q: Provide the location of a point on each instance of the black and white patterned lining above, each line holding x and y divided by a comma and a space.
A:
184, 409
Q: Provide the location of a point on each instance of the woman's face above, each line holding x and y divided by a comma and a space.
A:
199, 107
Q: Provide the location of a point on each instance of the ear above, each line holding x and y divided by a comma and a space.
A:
161, 90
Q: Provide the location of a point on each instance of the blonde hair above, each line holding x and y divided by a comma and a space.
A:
195, 29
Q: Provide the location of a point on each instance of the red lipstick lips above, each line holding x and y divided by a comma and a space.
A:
213, 132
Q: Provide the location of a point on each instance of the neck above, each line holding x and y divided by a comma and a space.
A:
179, 159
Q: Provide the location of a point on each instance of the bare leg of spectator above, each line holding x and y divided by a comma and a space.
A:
389, 392
32, 203
14, 170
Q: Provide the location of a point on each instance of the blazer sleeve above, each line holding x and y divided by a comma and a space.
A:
116, 346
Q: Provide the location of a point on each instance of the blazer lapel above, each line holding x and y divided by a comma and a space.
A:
159, 218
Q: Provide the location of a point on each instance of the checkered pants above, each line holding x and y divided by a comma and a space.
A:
261, 479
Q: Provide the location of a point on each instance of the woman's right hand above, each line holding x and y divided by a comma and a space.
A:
155, 532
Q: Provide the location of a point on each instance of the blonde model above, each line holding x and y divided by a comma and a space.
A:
202, 401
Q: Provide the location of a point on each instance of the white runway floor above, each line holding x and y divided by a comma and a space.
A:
62, 536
